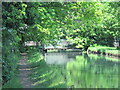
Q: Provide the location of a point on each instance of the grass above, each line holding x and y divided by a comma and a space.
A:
105, 49
13, 83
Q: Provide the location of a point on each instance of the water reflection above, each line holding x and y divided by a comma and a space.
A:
60, 58
77, 70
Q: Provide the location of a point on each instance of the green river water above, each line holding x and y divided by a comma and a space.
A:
76, 70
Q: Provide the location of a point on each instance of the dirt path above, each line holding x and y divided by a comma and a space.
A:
24, 70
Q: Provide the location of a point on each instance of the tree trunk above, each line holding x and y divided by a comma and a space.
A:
86, 48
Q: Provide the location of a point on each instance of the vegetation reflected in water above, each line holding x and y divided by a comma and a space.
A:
77, 71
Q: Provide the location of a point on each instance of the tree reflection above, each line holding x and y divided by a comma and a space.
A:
85, 71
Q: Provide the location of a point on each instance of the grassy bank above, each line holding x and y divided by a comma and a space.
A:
110, 51
13, 83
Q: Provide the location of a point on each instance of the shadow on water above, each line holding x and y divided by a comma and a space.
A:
75, 70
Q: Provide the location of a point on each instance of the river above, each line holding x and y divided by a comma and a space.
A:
78, 70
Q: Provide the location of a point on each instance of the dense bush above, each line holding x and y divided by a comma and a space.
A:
10, 53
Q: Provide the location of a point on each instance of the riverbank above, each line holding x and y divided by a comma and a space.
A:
104, 50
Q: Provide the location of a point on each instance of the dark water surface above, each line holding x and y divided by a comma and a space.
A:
78, 70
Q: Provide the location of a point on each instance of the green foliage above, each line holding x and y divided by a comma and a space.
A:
83, 23
15, 15
88, 21
94, 23
10, 52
